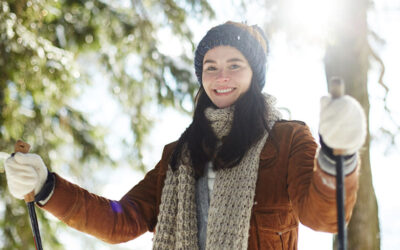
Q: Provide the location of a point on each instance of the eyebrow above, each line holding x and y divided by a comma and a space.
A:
235, 59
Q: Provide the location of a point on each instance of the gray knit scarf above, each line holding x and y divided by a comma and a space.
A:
230, 203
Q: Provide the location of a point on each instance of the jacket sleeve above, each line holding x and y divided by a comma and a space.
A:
312, 191
108, 220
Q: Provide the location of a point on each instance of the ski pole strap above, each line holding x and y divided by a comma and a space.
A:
47, 188
327, 160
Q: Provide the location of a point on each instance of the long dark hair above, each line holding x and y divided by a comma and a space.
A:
249, 124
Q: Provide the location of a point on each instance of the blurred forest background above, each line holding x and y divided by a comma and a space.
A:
54, 54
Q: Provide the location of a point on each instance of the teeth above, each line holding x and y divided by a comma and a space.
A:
224, 90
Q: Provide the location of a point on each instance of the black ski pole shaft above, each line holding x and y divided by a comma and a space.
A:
340, 196
336, 89
34, 224
24, 147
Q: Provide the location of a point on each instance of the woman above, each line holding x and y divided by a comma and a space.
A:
239, 177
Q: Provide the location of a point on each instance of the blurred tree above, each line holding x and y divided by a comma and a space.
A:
348, 55
347, 39
40, 44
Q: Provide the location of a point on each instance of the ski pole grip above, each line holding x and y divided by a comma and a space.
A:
23, 147
336, 89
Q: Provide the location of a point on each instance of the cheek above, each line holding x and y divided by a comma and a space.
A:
244, 78
207, 81
205, 78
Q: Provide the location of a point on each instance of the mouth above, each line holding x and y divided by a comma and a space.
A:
224, 91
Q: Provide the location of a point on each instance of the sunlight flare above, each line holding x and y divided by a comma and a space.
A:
312, 18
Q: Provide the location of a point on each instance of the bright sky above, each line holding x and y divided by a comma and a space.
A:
296, 77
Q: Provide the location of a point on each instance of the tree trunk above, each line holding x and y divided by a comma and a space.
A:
347, 56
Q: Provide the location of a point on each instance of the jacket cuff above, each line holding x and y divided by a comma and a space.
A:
325, 184
328, 165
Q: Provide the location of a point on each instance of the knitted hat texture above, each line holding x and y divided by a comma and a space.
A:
249, 40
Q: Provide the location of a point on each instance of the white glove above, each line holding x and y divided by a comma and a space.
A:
342, 123
25, 173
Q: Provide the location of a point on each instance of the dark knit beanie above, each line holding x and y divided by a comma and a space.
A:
249, 40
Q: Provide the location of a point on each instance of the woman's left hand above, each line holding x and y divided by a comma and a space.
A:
342, 123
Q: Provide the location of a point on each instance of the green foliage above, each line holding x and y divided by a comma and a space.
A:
40, 44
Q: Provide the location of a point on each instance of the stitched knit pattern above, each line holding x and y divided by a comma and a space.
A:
231, 201
221, 120
233, 192
177, 222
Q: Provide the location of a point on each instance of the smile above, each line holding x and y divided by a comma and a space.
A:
223, 91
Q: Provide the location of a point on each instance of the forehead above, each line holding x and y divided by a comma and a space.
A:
223, 53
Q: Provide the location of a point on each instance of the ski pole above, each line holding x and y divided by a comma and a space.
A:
24, 147
336, 89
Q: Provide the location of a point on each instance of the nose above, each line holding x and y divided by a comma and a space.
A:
222, 76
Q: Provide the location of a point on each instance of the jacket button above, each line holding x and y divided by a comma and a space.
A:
255, 203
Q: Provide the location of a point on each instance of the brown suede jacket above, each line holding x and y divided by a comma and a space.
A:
291, 188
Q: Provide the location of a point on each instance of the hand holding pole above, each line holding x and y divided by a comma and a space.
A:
23, 147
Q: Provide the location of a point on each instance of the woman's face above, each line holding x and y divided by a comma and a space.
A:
226, 75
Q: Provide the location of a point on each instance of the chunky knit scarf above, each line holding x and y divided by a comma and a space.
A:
230, 203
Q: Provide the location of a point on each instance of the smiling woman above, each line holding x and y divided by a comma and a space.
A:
226, 75
239, 176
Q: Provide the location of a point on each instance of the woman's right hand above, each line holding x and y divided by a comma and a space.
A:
25, 173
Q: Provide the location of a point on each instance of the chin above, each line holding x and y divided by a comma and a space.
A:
223, 105
223, 102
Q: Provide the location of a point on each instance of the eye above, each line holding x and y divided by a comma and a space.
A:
234, 66
210, 68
